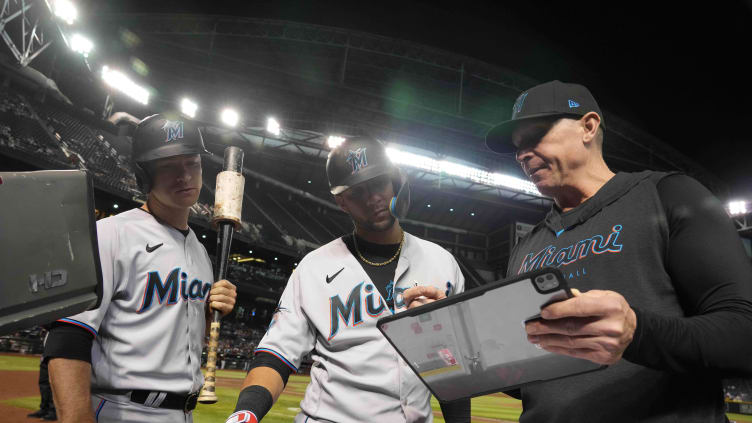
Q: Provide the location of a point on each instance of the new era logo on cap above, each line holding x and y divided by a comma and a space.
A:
573, 104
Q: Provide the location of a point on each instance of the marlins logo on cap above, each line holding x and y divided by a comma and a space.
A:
173, 129
518, 104
357, 159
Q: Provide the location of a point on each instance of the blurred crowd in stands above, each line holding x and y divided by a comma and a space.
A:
239, 336
739, 390
237, 341
205, 212
18, 130
53, 135
272, 279
27, 341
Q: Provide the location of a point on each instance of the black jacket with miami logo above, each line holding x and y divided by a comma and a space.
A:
665, 243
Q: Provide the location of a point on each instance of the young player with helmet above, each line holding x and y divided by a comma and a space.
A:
137, 357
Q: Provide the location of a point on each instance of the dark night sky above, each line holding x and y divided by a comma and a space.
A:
676, 71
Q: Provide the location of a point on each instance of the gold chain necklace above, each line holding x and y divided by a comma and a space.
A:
402, 242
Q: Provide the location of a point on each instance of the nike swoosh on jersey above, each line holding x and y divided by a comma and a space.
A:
151, 249
329, 280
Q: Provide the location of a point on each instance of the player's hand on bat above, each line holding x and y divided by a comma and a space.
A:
222, 297
595, 325
422, 294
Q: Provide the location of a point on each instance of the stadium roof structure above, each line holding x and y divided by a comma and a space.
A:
336, 81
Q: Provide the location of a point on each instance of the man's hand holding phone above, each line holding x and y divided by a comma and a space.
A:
595, 325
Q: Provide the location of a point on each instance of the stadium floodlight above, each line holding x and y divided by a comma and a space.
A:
188, 107
122, 83
334, 141
65, 10
737, 208
272, 126
229, 117
445, 167
81, 45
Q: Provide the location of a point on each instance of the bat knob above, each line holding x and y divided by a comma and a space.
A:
207, 397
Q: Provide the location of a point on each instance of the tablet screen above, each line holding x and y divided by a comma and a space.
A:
476, 343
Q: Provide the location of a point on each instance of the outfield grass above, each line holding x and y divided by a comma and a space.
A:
288, 405
29, 403
230, 374
13, 362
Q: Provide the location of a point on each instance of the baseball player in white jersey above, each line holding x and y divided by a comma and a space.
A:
137, 357
334, 298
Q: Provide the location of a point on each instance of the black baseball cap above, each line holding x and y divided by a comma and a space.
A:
554, 98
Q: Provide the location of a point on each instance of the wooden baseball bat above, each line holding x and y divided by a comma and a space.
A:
228, 204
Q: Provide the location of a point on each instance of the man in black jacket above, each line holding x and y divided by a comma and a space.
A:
666, 286
663, 287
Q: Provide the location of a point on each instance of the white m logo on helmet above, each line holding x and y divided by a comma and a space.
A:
357, 159
173, 129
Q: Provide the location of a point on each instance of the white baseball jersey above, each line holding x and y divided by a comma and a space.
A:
331, 306
149, 328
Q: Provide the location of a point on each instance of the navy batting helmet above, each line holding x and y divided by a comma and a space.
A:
360, 159
160, 136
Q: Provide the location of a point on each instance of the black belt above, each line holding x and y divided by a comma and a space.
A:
185, 402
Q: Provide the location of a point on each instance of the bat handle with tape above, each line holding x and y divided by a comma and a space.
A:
228, 202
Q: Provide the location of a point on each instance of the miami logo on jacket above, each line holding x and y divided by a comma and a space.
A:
550, 256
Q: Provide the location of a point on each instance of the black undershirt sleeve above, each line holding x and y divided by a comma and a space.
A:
263, 359
712, 276
68, 341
